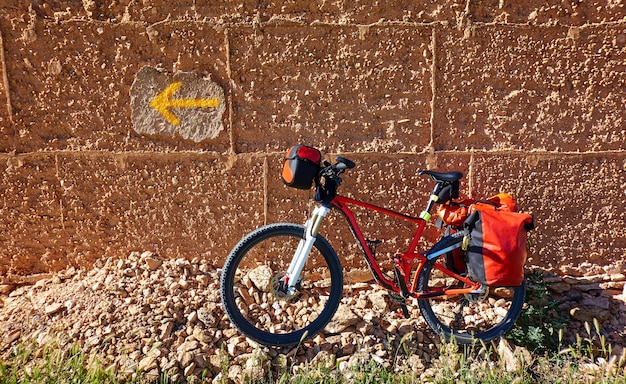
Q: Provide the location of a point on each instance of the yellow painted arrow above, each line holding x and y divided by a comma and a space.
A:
163, 102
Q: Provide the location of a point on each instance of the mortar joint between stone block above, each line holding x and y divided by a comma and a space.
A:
5, 79
433, 86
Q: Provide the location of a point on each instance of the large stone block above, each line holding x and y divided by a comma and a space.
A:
72, 209
178, 205
249, 11
362, 12
5, 102
31, 218
531, 88
70, 82
577, 202
341, 89
145, 12
552, 12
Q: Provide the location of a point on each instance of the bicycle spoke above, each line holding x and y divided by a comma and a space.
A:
270, 307
465, 317
255, 292
459, 314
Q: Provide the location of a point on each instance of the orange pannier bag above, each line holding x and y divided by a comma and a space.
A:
496, 243
500, 202
455, 213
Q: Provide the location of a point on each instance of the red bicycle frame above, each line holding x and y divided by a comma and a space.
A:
403, 261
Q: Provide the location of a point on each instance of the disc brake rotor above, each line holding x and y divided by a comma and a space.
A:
280, 289
477, 297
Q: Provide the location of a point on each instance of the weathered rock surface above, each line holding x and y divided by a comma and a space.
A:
530, 94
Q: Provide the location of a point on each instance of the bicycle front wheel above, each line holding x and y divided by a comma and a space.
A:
470, 317
253, 292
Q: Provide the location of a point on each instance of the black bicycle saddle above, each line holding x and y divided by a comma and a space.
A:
442, 176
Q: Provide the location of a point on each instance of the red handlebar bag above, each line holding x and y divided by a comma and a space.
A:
496, 251
301, 166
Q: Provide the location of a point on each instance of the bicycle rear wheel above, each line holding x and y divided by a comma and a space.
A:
471, 317
257, 303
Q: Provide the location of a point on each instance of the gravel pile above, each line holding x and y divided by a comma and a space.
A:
153, 315
150, 315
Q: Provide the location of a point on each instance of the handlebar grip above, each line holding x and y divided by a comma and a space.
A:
344, 163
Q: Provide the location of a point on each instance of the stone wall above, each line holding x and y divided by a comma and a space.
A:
525, 97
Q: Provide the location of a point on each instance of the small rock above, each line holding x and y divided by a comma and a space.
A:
166, 330
252, 372
235, 373
152, 375
188, 346
348, 349
359, 276
5, 289
507, 356
324, 358
53, 308
216, 361
148, 363
202, 336
599, 302
379, 300
203, 280
11, 337
189, 369
559, 287
588, 314
207, 317
153, 263
405, 326
344, 317
185, 358
261, 277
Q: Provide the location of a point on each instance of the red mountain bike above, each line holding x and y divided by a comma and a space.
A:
282, 283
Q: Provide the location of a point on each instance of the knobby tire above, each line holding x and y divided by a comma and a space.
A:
467, 319
251, 293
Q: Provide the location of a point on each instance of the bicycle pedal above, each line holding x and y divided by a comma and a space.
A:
402, 301
397, 298
400, 279
373, 242
405, 311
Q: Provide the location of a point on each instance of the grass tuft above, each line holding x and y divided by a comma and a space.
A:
587, 361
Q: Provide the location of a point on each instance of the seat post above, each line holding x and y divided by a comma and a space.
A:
426, 215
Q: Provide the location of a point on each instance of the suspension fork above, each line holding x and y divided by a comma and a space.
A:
311, 229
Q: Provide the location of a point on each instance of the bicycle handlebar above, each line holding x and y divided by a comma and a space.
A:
333, 171
343, 163
327, 190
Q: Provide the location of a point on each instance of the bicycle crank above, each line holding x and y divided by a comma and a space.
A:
404, 290
477, 297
